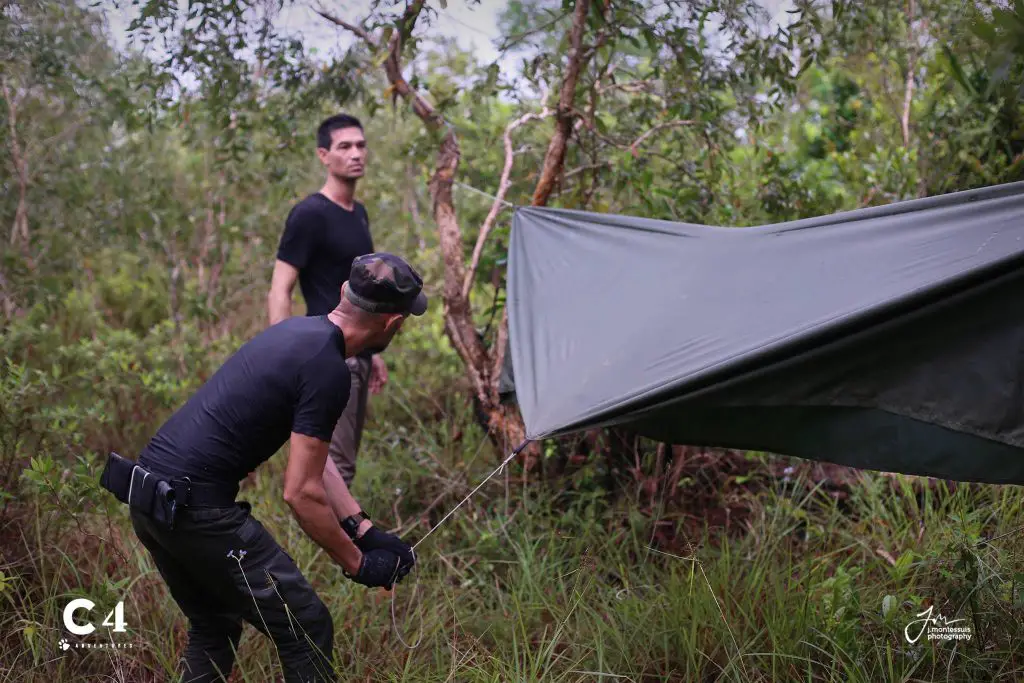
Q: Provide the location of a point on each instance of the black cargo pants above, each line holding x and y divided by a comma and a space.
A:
223, 567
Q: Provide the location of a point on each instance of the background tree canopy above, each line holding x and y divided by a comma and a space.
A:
146, 189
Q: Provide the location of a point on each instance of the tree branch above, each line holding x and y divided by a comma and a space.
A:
499, 351
393, 69
595, 95
628, 86
499, 199
661, 126
908, 91
359, 31
392, 66
408, 20
563, 123
584, 120
585, 168
512, 40
20, 227
636, 143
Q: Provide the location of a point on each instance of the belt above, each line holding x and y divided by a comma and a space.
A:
188, 493
157, 496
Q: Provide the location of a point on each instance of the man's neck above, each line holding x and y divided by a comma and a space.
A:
355, 342
340, 191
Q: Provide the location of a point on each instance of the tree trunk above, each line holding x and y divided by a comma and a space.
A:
457, 314
19, 231
7, 304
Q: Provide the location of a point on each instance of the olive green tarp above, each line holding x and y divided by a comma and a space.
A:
887, 338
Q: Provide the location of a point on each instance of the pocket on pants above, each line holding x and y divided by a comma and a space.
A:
291, 585
249, 531
280, 598
267, 572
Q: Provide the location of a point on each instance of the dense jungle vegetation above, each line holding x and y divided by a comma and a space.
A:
145, 190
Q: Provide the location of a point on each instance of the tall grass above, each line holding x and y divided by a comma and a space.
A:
529, 583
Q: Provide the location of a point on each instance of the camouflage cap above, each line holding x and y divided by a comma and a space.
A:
385, 283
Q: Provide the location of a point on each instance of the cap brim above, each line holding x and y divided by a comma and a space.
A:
419, 306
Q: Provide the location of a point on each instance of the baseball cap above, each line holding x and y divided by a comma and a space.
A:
385, 283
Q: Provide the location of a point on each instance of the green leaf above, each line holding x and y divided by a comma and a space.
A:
652, 40
986, 31
957, 71
1007, 20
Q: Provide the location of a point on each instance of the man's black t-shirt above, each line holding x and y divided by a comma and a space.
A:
290, 377
321, 239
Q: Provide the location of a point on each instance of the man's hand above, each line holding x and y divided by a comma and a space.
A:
375, 539
378, 374
377, 569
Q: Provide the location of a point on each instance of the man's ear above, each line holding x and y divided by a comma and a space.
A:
322, 154
395, 321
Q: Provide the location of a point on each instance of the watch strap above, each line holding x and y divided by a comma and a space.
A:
350, 524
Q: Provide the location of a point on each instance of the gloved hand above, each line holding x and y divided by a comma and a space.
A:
375, 539
377, 569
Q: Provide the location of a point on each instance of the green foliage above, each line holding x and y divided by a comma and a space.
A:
157, 188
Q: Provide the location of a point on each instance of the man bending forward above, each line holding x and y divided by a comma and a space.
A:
289, 383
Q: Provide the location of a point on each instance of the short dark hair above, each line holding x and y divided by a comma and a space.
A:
336, 122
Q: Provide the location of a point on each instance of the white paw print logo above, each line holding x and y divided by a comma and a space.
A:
64, 644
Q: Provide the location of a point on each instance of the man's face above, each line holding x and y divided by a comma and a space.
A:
382, 339
346, 159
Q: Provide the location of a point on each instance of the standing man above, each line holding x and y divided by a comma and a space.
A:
290, 384
323, 234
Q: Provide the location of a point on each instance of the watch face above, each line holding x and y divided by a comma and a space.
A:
351, 523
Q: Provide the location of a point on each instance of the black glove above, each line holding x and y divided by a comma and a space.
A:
375, 539
377, 569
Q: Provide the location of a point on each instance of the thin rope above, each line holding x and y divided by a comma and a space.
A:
500, 467
394, 621
485, 194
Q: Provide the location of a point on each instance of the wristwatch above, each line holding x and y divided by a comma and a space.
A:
351, 523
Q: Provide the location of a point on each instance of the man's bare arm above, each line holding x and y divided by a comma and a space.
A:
305, 494
279, 298
341, 499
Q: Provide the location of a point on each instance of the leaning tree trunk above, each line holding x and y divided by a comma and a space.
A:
483, 367
504, 425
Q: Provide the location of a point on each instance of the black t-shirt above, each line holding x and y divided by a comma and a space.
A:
290, 377
321, 239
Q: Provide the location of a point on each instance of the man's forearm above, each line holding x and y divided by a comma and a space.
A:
317, 519
341, 500
279, 307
